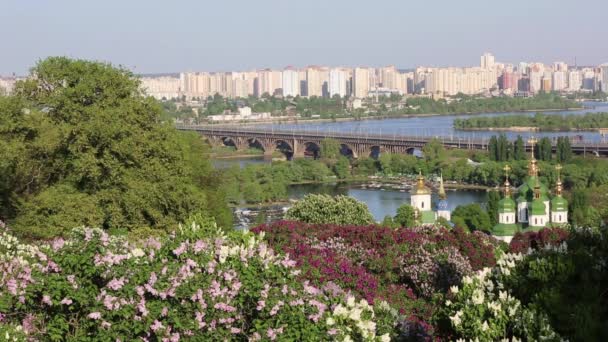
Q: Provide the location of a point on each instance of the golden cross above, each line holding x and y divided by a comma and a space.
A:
558, 168
507, 168
532, 141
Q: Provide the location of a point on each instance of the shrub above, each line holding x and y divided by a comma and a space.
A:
196, 284
522, 242
315, 208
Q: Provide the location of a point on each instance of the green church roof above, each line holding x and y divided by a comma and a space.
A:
526, 190
505, 229
537, 207
506, 205
558, 203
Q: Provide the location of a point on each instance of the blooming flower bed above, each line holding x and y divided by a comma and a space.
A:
196, 284
405, 267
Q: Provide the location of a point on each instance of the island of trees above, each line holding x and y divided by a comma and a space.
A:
539, 122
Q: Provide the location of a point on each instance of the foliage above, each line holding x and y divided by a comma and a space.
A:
82, 145
546, 237
483, 309
472, 217
406, 267
543, 122
326, 209
405, 216
329, 149
493, 197
197, 284
568, 282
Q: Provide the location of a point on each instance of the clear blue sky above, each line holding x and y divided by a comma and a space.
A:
168, 36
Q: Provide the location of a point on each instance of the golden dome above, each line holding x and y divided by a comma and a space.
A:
420, 188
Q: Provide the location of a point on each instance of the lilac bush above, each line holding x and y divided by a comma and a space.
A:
198, 283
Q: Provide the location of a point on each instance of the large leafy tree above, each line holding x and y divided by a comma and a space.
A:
82, 145
471, 217
326, 209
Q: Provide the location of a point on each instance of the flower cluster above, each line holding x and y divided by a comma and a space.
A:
523, 242
483, 308
197, 283
404, 267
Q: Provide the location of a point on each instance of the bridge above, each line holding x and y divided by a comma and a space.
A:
296, 144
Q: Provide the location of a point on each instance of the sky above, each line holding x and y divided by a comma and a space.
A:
154, 36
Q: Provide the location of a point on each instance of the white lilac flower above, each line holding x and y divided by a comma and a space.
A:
385, 338
484, 326
454, 289
350, 301
478, 297
330, 321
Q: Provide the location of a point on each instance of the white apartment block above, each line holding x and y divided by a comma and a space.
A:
164, 87
337, 82
291, 82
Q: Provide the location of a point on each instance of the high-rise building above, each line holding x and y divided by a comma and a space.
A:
536, 78
361, 84
337, 82
575, 81
313, 82
559, 80
165, 87
604, 77
560, 66
487, 61
291, 82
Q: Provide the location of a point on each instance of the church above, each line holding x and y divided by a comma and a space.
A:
532, 209
420, 200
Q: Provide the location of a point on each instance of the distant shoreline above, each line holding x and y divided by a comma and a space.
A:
399, 116
527, 129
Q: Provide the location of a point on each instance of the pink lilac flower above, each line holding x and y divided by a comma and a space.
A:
181, 249
94, 315
261, 305
57, 244
105, 324
116, 284
46, 299
66, 301
156, 325
28, 324
235, 330
164, 311
11, 285
332, 332
199, 246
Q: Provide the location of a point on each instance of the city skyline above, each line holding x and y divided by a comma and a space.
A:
151, 37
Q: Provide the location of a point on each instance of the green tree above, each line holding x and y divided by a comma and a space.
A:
342, 168
326, 209
329, 149
519, 149
83, 133
563, 150
493, 148
493, 199
471, 217
405, 216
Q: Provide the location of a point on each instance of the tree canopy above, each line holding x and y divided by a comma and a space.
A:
326, 209
82, 145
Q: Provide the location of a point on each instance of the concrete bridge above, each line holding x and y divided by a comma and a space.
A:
297, 144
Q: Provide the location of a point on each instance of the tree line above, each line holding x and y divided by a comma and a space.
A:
540, 121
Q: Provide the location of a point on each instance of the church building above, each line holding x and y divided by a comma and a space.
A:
533, 209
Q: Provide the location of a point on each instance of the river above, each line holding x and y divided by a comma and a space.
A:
441, 126
382, 200
385, 200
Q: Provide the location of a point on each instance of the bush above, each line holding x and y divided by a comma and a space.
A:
197, 284
326, 209
406, 267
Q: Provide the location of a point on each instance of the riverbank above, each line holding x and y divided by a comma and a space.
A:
526, 129
403, 184
294, 120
